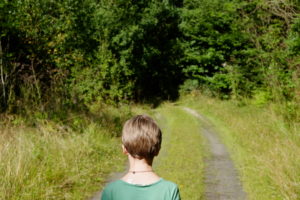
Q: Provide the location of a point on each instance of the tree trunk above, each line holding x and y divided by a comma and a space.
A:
3, 95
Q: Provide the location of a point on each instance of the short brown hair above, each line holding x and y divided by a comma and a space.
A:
141, 137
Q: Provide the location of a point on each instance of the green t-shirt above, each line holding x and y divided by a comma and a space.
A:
160, 190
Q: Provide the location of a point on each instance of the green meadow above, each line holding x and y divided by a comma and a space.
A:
50, 161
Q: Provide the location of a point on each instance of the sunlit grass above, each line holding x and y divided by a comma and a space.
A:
265, 150
54, 161
182, 154
49, 161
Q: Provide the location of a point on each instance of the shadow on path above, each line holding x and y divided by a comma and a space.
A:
221, 177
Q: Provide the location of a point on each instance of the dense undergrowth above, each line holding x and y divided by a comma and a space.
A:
264, 146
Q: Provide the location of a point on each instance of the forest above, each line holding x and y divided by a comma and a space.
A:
72, 71
57, 54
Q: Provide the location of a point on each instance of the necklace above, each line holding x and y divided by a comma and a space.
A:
140, 171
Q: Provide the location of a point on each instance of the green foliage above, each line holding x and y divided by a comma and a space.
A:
294, 37
143, 40
189, 86
211, 40
58, 54
104, 81
70, 52
261, 97
233, 47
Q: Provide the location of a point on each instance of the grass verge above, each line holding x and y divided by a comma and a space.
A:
54, 161
264, 149
182, 154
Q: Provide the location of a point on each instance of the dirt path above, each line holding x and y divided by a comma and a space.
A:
221, 178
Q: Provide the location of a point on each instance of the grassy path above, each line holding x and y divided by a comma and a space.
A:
182, 154
193, 157
183, 151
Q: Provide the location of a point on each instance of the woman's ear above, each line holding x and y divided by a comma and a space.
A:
124, 150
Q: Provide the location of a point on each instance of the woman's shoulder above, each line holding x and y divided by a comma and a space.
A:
168, 183
160, 182
110, 189
120, 189
113, 184
171, 190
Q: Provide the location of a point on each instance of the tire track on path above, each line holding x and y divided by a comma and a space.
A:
221, 177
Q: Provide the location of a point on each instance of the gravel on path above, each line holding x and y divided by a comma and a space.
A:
221, 177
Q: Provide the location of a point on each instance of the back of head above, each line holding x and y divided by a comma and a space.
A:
141, 137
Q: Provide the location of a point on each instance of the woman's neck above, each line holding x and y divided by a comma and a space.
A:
140, 172
138, 164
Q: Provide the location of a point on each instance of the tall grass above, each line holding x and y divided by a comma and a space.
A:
265, 149
50, 161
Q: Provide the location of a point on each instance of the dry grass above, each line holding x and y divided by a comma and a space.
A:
51, 161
